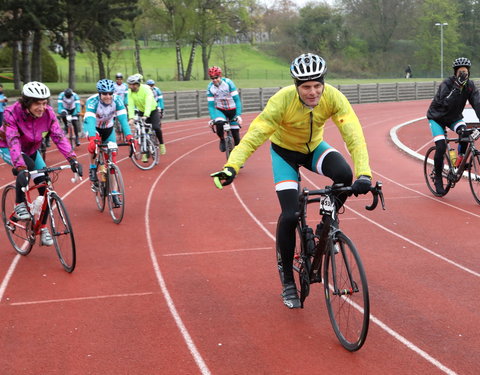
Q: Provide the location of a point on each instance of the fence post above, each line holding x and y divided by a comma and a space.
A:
261, 98
378, 92
175, 102
416, 91
199, 110
358, 93
396, 91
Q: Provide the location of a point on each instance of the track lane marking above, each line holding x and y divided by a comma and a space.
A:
217, 251
158, 273
81, 298
374, 319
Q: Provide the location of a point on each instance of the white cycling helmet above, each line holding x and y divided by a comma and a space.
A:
136, 78
36, 90
308, 67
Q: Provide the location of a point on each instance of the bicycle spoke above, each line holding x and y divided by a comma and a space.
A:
346, 293
20, 233
474, 176
116, 194
62, 233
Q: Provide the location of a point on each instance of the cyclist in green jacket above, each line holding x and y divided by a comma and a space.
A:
141, 97
294, 120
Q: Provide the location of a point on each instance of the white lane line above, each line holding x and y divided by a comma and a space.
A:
161, 281
80, 298
8, 276
217, 251
374, 319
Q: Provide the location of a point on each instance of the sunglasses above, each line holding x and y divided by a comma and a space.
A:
214, 77
107, 93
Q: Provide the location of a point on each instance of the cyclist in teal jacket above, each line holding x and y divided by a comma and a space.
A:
223, 102
69, 104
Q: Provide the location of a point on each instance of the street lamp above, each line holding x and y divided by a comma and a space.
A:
441, 46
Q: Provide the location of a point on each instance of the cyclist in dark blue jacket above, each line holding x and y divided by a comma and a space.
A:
446, 111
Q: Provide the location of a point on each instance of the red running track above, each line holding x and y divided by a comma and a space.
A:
187, 283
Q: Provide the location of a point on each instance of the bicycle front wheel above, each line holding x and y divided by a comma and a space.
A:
229, 144
19, 232
116, 194
62, 233
346, 293
474, 176
429, 172
146, 156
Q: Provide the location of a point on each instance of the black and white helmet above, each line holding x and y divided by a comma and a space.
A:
308, 67
461, 61
36, 90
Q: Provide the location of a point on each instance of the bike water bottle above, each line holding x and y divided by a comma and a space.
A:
37, 205
102, 172
453, 156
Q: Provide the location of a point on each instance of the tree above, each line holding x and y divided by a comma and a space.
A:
428, 34
377, 21
321, 29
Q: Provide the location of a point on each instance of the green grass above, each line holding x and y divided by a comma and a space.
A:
242, 61
249, 67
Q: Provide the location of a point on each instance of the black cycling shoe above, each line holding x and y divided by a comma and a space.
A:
92, 174
290, 296
222, 145
439, 186
116, 201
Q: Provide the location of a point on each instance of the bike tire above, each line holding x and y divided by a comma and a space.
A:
115, 179
474, 176
229, 144
346, 292
152, 155
19, 232
429, 172
62, 232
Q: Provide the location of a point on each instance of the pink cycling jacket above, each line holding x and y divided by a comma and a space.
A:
21, 132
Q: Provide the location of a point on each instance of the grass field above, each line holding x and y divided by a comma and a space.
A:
248, 66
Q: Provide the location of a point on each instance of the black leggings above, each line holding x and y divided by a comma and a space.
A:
335, 167
156, 122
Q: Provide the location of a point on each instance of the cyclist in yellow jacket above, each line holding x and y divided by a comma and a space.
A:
141, 97
294, 120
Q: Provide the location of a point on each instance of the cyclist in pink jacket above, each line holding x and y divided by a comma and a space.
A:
25, 123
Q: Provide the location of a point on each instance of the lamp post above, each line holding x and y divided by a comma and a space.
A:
441, 46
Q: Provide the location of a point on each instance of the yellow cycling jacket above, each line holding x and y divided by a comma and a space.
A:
288, 123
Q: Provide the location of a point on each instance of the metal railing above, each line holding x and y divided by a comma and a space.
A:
191, 104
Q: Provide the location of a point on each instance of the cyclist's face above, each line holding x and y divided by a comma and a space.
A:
216, 80
133, 86
462, 70
310, 92
38, 107
106, 97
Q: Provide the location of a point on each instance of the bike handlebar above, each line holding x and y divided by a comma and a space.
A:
339, 188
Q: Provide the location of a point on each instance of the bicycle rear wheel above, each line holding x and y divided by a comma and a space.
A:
429, 172
346, 293
62, 233
116, 194
474, 176
19, 232
147, 156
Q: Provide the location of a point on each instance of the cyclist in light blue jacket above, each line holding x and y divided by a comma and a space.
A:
223, 102
69, 104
